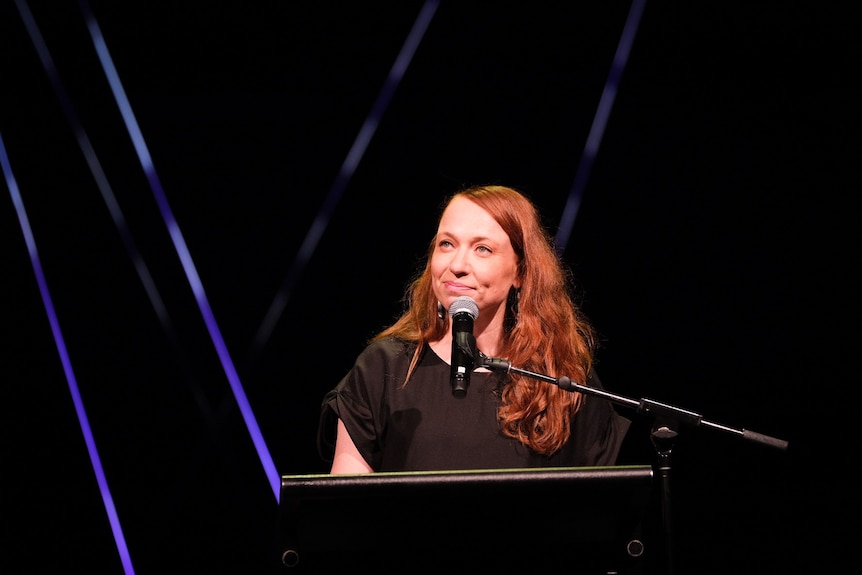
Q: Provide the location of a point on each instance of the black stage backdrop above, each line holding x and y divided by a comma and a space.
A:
714, 248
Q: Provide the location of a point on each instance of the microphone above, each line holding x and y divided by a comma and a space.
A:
462, 311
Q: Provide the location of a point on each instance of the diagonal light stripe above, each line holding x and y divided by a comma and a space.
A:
83, 421
113, 207
357, 150
597, 129
182, 250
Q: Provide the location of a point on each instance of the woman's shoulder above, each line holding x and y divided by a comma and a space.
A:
390, 348
390, 343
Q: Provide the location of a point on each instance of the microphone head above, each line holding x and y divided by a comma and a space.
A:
464, 304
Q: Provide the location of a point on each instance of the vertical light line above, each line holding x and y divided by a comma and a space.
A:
83, 421
354, 156
182, 251
597, 129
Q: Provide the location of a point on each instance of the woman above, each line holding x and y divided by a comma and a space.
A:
395, 410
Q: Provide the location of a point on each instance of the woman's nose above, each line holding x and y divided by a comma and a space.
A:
459, 264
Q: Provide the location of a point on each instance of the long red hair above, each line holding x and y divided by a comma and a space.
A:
546, 332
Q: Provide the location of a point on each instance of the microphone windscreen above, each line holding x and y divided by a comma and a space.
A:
464, 304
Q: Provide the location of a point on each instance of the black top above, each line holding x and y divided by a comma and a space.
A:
421, 426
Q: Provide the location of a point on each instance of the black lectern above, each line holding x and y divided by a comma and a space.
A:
571, 520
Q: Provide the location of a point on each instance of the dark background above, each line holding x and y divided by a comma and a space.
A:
715, 250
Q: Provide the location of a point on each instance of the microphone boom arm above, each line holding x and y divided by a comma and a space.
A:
643, 405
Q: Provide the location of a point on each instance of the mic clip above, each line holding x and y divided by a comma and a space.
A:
493, 363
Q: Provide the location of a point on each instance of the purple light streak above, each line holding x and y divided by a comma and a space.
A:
348, 167
84, 422
144, 157
597, 130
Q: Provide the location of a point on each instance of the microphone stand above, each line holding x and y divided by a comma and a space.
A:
662, 435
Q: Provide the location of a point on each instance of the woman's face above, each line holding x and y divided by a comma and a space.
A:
473, 257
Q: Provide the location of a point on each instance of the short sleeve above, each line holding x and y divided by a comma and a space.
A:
359, 400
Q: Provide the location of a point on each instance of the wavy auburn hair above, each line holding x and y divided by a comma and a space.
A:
546, 332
